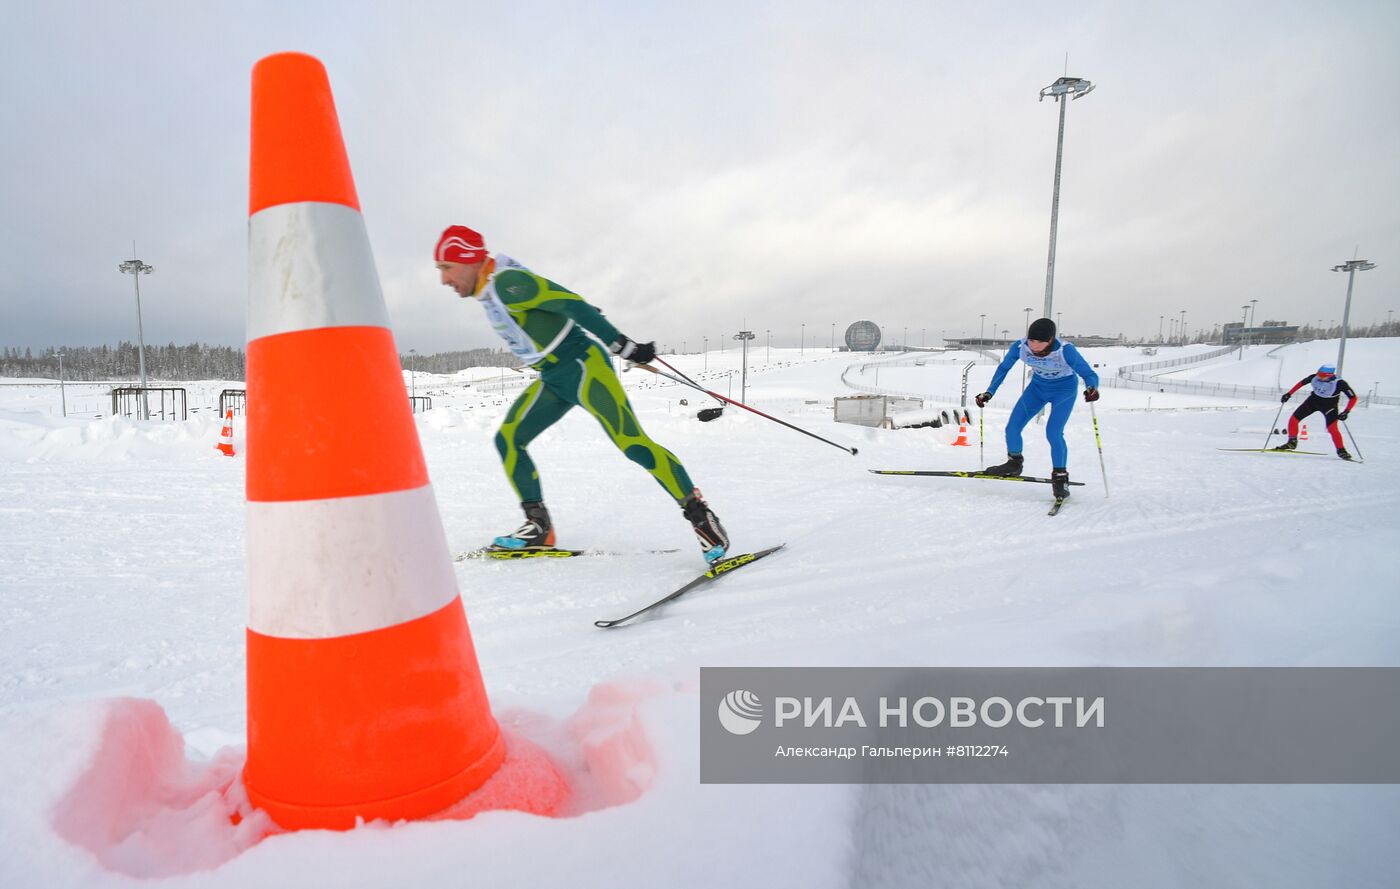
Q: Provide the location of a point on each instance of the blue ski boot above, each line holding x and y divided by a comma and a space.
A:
536, 533
714, 543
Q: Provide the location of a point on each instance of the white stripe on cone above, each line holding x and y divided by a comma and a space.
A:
310, 266
327, 568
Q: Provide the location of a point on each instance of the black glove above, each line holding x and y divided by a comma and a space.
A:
983, 399
637, 353
1343, 416
1286, 396
1091, 394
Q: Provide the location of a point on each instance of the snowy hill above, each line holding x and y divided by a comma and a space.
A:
122, 598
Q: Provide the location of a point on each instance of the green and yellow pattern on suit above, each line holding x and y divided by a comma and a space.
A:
573, 370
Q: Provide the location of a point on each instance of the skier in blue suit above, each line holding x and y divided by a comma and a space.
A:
1053, 367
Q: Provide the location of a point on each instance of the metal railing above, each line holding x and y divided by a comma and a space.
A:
1129, 370
233, 399
133, 401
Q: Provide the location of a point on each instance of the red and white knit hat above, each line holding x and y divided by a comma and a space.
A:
460, 244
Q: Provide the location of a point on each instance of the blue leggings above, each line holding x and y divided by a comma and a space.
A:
1060, 397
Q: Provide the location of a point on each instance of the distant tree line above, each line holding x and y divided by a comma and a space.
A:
451, 362
198, 361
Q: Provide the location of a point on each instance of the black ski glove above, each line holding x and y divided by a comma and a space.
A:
1091, 394
983, 399
1342, 417
637, 353
1286, 396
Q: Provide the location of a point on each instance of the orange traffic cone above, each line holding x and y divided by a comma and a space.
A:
364, 695
962, 441
1304, 433
225, 445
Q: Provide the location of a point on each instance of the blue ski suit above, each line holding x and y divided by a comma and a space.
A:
1052, 383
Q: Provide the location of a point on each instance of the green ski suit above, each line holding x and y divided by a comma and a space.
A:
545, 325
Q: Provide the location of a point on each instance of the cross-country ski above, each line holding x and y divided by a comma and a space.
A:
953, 473
720, 569
548, 553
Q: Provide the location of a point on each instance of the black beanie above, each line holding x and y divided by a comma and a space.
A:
1042, 329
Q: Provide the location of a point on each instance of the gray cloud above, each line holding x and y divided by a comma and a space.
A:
687, 169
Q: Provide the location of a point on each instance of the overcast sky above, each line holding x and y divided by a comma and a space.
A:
691, 167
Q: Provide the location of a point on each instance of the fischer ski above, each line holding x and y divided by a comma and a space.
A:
951, 474
719, 569
1274, 451
1055, 510
491, 552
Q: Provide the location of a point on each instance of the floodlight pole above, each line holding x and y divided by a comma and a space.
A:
62, 396
1351, 268
1074, 88
136, 268
744, 336
412, 373
1024, 369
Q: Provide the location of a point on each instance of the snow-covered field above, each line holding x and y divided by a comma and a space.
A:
122, 608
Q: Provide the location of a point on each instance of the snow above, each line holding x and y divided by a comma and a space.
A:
123, 607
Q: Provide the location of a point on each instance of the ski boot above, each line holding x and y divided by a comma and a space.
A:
1010, 469
1059, 480
713, 541
1290, 445
1344, 453
537, 532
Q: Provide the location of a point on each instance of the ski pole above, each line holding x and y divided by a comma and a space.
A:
1353, 440
981, 439
686, 381
1099, 442
1273, 426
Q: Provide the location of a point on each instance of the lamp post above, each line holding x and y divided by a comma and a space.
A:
412, 373
833, 336
906, 339
923, 337
707, 352
1160, 319
768, 354
136, 268
1074, 88
803, 349
982, 331
1351, 268
1024, 369
1244, 321
1183, 327
62, 396
744, 336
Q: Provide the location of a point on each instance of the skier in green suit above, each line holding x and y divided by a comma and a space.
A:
557, 333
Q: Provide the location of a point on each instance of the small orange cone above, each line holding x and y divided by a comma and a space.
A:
962, 441
364, 695
225, 445
1304, 434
